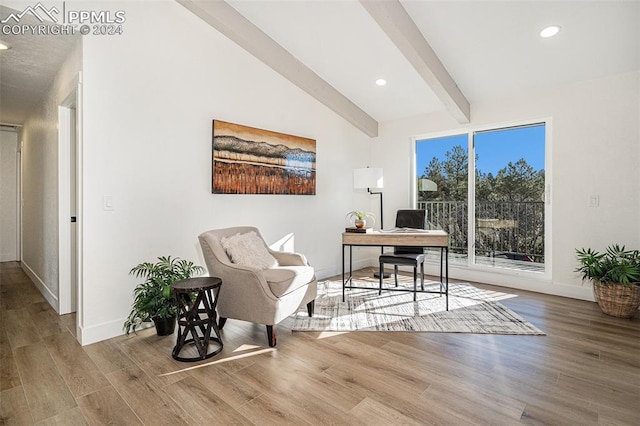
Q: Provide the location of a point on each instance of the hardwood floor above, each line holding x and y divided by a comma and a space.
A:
585, 371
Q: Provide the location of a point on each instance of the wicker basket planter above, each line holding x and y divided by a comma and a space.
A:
617, 300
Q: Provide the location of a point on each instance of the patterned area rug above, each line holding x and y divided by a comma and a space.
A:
471, 310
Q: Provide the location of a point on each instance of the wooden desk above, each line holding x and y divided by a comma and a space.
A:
431, 238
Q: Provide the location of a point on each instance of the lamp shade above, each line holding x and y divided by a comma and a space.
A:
367, 177
427, 185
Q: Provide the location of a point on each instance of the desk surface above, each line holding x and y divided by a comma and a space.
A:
431, 238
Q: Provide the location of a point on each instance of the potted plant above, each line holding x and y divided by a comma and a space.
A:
360, 218
616, 278
153, 299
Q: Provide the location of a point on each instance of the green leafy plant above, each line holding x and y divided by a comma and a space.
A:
615, 265
360, 215
153, 298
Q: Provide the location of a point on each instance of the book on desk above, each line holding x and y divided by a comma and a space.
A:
358, 230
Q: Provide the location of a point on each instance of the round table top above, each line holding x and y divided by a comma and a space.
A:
198, 283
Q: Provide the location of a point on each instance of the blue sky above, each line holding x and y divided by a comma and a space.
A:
495, 149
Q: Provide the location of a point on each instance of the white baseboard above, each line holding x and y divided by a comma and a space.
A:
322, 274
41, 286
106, 330
524, 282
527, 283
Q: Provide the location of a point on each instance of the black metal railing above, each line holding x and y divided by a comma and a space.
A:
510, 230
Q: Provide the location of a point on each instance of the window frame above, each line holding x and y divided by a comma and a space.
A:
470, 264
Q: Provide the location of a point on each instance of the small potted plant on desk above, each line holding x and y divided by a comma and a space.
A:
360, 218
153, 299
616, 278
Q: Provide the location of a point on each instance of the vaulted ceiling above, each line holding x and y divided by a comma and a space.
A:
446, 54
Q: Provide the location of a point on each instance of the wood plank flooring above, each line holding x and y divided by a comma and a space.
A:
585, 371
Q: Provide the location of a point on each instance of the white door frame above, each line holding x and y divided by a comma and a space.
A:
14, 130
19, 195
70, 132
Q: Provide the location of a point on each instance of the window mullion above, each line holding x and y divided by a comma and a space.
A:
471, 201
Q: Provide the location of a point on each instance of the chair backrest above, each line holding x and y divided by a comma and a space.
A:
211, 243
410, 218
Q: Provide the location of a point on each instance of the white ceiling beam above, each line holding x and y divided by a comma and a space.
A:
228, 21
405, 34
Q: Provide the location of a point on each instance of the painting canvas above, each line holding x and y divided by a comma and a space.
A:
247, 160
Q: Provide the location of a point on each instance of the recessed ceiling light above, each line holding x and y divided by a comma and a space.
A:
4, 46
549, 31
381, 82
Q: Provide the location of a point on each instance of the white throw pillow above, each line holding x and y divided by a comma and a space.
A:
248, 250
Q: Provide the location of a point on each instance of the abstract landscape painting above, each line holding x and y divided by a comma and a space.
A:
247, 160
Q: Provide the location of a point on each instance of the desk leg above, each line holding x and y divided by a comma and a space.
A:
350, 263
446, 260
441, 281
343, 277
380, 276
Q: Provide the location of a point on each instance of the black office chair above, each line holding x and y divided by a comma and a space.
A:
411, 256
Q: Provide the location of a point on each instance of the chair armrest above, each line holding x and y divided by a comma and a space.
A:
245, 279
289, 259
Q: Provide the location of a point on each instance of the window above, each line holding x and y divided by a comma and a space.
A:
443, 188
487, 190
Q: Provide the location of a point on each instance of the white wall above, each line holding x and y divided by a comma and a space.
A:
8, 197
149, 98
40, 182
595, 149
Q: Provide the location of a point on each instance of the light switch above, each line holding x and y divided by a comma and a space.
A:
108, 203
594, 200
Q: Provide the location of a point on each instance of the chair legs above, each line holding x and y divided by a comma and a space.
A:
415, 282
271, 329
395, 273
271, 335
221, 322
381, 277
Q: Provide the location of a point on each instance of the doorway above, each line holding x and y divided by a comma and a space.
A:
9, 194
488, 190
68, 205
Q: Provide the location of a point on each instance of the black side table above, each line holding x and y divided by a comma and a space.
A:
197, 299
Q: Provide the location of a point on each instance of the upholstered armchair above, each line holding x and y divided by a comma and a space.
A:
259, 285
